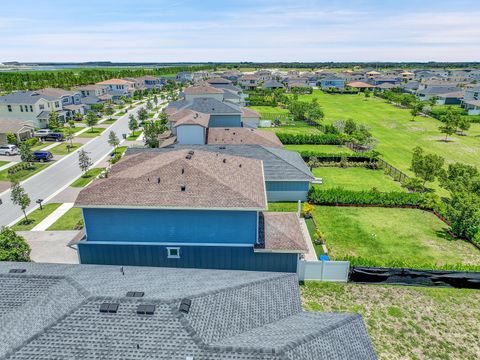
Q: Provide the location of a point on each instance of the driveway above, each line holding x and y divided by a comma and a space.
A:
56, 177
51, 246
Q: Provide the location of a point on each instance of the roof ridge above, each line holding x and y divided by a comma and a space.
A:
272, 149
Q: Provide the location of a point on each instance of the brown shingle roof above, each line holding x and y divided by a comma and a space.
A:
242, 136
280, 231
202, 89
55, 92
14, 126
155, 180
360, 85
190, 117
115, 82
249, 113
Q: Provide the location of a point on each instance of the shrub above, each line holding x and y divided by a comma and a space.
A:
339, 196
311, 139
19, 167
32, 141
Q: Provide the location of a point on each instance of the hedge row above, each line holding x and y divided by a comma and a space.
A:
339, 196
308, 154
19, 167
311, 139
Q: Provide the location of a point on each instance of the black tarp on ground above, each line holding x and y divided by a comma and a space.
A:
458, 279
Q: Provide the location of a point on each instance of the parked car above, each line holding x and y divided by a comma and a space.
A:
8, 150
53, 137
42, 155
42, 132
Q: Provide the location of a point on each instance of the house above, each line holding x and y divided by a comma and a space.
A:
242, 136
91, 90
149, 82
287, 177
407, 76
32, 106
472, 106
250, 118
373, 74
95, 311
362, 86
273, 84
21, 130
70, 100
410, 87
202, 91
187, 208
222, 113
119, 87
189, 127
332, 82
249, 82
184, 76
472, 93
386, 86
385, 80
436, 91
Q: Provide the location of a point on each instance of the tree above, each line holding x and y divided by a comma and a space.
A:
463, 212
13, 247
20, 198
155, 100
113, 139
132, 123
142, 114
149, 105
91, 119
53, 120
367, 94
416, 109
11, 139
151, 130
84, 161
461, 178
26, 154
463, 124
70, 131
350, 127
450, 122
78, 117
426, 166
108, 110
163, 118
363, 137
432, 101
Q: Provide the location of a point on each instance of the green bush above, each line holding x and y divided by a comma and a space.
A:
32, 141
339, 196
19, 167
311, 139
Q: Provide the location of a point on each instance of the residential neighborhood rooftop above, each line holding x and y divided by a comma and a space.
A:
113, 312
202, 89
189, 117
182, 178
240, 136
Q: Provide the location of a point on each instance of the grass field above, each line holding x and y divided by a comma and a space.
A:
392, 237
63, 150
295, 128
396, 133
90, 175
407, 322
2, 163
109, 121
93, 132
270, 112
71, 220
24, 174
35, 217
325, 149
134, 135
356, 179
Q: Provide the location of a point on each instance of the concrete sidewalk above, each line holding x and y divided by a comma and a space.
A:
53, 217
311, 255
9, 165
51, 246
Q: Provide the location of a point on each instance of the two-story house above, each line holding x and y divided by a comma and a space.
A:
119, 87
249, 82
187, 208
471, 100
32, 106
332, 82
70, 100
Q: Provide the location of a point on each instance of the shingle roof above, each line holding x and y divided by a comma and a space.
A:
156, 180
207, 105
52, 311
272, 84
25, 97
13, 126
202, 89
240, 136
115, 82
280, 231
218, 80
247, 112
359, 84
189, 117
278, 164
55, 92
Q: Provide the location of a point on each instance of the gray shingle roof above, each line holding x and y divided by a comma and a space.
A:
207, 106
24, 97
236, 315
278, 164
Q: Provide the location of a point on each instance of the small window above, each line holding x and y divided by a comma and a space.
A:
42, 107
9, 107
173, 252
31, 108
21, 108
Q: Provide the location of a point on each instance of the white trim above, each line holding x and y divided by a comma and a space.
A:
264, 185
163, 243
170, 256
280, 251
166, 207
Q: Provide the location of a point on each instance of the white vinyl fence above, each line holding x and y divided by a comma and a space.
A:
323, 270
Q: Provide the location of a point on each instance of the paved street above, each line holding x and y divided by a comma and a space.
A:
50, 181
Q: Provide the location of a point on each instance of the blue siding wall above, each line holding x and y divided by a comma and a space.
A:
205, 257
225, 121
287, 190
194, 226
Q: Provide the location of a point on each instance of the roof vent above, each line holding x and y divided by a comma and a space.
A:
224, 161
188, 157
135, 294
158, 180
222, 147
183, 187
185, 306
17, 271
145, 309
109, 308
191, 152
240, 165
183, 171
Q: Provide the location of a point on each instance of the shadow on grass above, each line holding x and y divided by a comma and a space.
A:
446, 235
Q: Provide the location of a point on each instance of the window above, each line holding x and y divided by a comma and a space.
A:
9, 107
57, 104
173, 252
21, 108
42, 107
31, 108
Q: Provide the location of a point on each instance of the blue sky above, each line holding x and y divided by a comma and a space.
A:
247, 30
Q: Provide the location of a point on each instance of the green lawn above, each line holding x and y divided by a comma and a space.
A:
376, 236
396, 133
75, 129
24, 174
324, 149
62, 149
270, 112
406, 322
36, 217
134, 135
109, 121
93, 132
2, 163
84, 180
120, 113
39, 146
71, 220
282, 206
295, 128
356, 179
